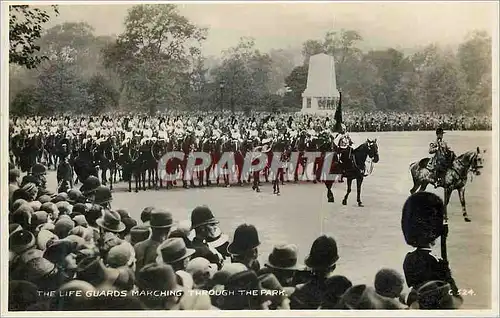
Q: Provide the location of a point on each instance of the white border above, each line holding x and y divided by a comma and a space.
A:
261, 313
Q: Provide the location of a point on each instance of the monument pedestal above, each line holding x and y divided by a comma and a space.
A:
321, 94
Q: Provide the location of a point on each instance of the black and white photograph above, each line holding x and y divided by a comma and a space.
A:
249, 158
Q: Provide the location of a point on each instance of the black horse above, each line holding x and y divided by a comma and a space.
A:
355, 168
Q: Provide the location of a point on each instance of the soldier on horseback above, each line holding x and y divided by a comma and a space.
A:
344, 144
442, 159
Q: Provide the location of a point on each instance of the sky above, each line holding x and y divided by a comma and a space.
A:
402, 25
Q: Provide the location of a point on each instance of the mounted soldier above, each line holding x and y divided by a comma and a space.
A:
442, 159
344, 144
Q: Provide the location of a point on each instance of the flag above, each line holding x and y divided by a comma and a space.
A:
338, 114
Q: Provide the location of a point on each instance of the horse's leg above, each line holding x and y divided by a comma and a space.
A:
461, 195
111, 171
329, 192
255, 185
447, 195
359, 182
349, 185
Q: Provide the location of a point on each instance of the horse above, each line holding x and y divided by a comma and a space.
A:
156, 153
84, 164
206, 145
455, 177
281, 148
133, 164
355, 168
107, 154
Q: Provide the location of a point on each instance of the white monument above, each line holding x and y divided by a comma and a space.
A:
321, 94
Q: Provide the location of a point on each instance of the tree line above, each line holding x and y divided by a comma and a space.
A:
156, 64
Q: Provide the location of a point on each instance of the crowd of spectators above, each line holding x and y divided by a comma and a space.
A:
75, 251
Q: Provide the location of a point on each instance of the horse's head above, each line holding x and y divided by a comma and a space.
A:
372, 149
476, 161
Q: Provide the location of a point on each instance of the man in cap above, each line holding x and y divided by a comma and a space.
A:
205, 226
161, 223
442, 157
39, 172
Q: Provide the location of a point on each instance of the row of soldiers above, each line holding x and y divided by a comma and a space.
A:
149, 128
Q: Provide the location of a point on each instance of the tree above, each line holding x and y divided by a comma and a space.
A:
60, 90
475, 59
25, 27
312, 47
24, 103
151, 57
246, 74
101, 95
296, 83
282, 64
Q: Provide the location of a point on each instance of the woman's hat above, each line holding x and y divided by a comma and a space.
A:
111, 221
156, 277
92, 270
245, 239
173, 250
362, 297
21, 241
44, 237
323, 254
284, 257
436, 295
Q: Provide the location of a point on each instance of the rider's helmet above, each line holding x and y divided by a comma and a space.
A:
343, 128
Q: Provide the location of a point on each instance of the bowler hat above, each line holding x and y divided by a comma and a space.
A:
90, 185
161, 219
422, 218
323, 254
173, 250
74, 196
139, 233
202, 215
102, 195
439, 131
146, 214
111, 221
246, 280
245, 239
38, 168
284, 256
